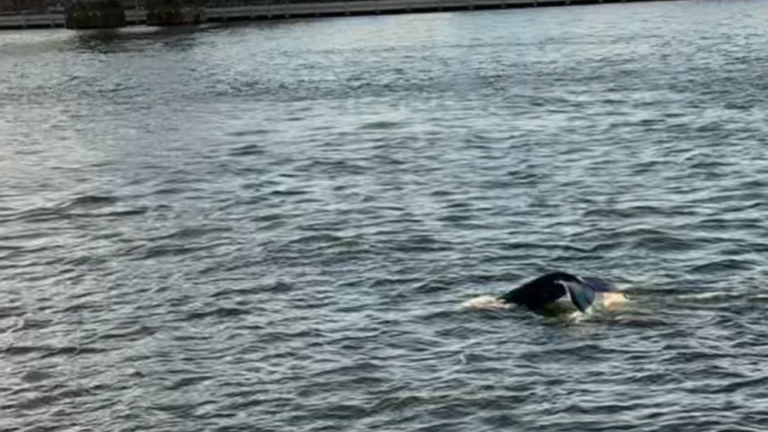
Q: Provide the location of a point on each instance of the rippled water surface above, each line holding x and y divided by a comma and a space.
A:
272, 226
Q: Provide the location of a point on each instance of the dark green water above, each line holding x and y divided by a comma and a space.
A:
272, 226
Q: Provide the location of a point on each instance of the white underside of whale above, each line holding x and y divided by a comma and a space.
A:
604, 300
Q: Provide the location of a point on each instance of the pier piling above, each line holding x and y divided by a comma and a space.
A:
94, 14
175, 12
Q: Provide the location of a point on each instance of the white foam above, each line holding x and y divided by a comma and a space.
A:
611, 300
485, 302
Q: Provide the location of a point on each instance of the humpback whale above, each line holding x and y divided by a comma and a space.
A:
560, 288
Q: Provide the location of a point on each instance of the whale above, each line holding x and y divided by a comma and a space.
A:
560, 289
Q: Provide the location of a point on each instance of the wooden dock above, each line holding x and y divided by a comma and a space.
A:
284, 10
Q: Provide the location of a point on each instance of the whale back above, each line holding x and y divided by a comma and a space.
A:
600, 285
540, 292
544, 291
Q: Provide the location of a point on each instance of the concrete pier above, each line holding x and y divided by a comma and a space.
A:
175, 12
95, 14
179, 12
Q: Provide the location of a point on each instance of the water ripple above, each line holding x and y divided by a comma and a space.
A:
273, 226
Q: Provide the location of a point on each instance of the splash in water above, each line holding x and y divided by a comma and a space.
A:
605, 301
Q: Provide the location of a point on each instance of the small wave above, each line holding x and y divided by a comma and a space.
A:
35, 376
191, 233
485, 302
220, 312
48, 351
246, 133
707, 295
247, 150
89, 202
724, 265
117, 213
172, 250
381, 125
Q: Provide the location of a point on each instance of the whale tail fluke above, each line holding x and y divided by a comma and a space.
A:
565, 289
581, 295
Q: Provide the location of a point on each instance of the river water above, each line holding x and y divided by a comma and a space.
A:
272, 226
